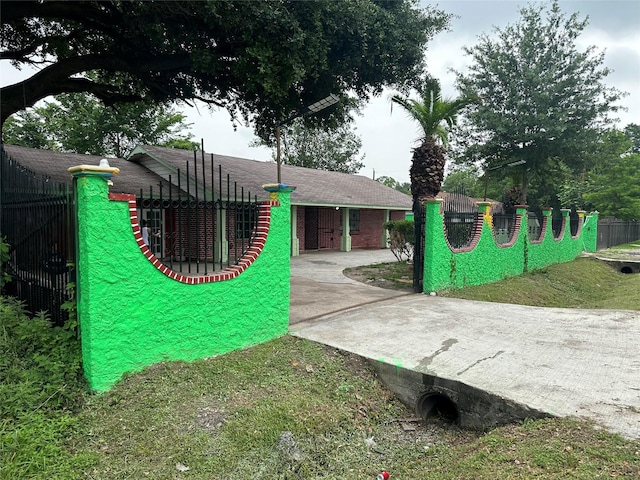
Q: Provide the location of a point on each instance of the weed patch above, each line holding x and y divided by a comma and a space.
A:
40, 389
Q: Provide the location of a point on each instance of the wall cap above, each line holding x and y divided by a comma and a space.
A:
279, 187
81, 170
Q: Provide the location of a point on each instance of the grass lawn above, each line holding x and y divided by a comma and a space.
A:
293, 409
583, 283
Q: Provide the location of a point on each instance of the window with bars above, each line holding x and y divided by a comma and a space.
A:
245, 221
354, 220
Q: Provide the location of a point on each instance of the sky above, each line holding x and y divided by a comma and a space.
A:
389, 136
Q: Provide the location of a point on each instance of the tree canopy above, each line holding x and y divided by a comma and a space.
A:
336, 150
404, 187
79, 123
616, 190
464, 179
632, 131
538, 98
609, 182
258, 60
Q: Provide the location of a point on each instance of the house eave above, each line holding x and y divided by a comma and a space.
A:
354, 206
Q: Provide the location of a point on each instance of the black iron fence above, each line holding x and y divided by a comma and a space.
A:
201, 223
612, 232
204, 225
460, 214
37, 220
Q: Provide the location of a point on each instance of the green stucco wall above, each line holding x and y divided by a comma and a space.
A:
131, 315
488, 262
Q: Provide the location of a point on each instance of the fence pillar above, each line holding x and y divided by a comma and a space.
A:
134, 313
436, 251
589, 232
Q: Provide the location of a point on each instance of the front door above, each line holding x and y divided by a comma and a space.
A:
311, 228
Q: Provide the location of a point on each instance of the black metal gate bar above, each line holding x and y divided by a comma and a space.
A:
37, 218
419, 212
187, 240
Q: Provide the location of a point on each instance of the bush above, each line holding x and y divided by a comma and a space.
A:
401, 239
41, 386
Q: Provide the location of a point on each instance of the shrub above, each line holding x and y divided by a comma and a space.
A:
41, 386
401, 239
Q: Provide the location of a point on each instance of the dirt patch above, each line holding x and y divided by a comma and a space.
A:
393, 276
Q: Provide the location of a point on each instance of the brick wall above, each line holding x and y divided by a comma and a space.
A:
300, 227
370, 233
396, 215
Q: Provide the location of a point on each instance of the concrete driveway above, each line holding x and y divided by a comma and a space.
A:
561, 361
318, 287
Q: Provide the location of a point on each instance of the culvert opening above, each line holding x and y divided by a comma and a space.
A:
626, 270
437, 406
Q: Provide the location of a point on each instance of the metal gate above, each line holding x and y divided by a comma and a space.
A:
419, 212
37, 220
311, 228
320, 232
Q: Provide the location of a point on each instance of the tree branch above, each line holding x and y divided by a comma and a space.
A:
57, 78
81, 12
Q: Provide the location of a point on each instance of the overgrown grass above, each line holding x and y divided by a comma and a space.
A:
287, 409
41, 388
293, 409
583, 283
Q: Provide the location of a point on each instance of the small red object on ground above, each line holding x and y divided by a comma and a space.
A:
383, 476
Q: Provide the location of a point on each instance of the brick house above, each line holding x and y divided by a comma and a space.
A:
329, 210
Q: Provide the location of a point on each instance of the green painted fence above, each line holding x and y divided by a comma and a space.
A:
484, 261
134, 312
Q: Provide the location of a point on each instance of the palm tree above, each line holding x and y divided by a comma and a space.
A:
431, 112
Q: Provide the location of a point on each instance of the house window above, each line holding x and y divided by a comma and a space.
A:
354, 220
154, 223
245, 221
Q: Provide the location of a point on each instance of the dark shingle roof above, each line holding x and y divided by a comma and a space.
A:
131, 179
315, 187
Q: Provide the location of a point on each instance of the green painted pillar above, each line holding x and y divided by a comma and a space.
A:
92, 190
590, 232
134, 312
566, 225
437, 255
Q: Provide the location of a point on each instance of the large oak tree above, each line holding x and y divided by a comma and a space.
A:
260, 60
